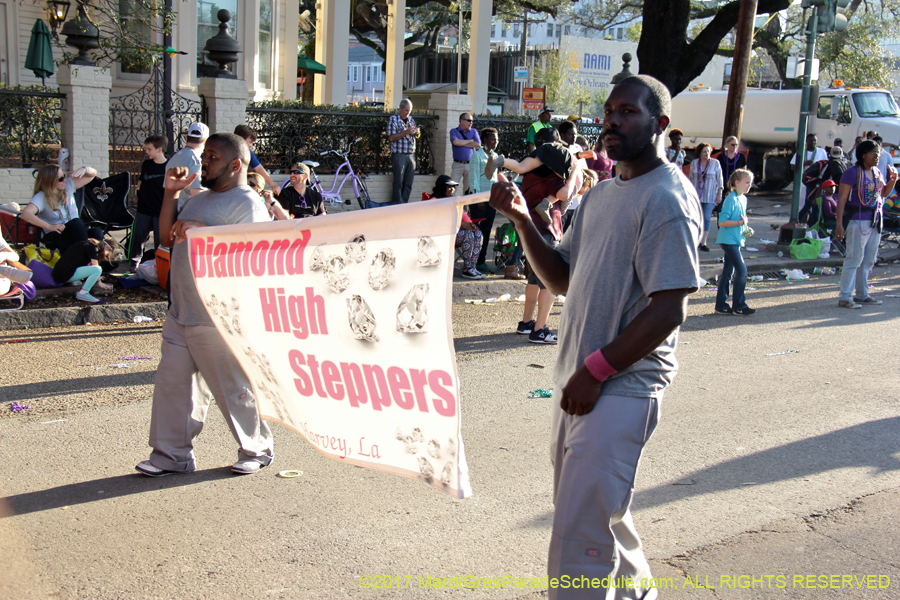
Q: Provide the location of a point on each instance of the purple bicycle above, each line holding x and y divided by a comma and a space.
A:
333, 196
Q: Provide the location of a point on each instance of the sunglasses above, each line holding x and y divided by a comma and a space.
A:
467, 120
61, 179
298, 173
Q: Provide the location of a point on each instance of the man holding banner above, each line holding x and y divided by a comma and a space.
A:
196, 361
627, 265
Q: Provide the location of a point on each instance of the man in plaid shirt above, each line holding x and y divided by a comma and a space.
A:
402, 133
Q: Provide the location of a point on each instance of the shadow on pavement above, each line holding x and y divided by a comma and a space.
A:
104, 489
64, 387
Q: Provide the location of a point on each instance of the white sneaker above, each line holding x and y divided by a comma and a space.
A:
247, 466
146, 468
473, 274
86, 297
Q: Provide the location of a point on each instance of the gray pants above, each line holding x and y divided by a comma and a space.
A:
404, 166
595, 459
460, 172
196, 364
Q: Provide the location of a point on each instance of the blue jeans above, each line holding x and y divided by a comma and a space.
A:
370, 204
734, 263
862, 249
707, 213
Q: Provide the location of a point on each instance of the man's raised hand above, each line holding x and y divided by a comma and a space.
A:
508, 200
177, 178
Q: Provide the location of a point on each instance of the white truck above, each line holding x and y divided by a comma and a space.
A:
769, 127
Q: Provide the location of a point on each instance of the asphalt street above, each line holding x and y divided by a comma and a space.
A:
777, 454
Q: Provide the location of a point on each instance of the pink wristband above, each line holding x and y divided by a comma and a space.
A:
598, 366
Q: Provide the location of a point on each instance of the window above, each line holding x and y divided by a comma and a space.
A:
493, 30
825, 107
516, 30
620, 33
875, 104
349, 73
503, 30
568, 30
549, 29
265, 44
208, 26
844, 112
138, 30
558, 30
354, 70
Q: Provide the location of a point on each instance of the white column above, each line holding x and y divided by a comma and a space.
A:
393, 67
226, 102
480, 54
332, 50
287, 50
85, 121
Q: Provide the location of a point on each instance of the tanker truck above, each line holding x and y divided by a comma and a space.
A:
769, 127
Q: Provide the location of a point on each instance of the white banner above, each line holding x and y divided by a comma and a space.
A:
343, 325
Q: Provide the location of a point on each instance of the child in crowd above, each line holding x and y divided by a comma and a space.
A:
149, 196
829, 201
82, 261
732, 231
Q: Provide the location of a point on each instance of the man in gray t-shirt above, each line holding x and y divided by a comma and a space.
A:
195, 360
627, 265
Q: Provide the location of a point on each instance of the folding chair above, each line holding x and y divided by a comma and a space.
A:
105, 206
826, 229
17, 231
15, 296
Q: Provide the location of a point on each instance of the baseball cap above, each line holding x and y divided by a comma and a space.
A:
574, 118
835, 151
198, 130
546, 109
828, 183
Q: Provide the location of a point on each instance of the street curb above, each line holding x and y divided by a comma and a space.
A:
462, 291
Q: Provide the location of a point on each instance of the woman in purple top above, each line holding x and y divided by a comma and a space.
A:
861, 194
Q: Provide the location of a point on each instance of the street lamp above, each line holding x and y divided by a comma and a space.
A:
59, 10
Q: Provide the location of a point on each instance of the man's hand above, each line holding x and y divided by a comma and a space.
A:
581, 393
177, 179
508, 200
180, 228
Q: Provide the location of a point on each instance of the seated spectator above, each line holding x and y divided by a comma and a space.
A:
81, 261
298, 199
53, 207
829, 203
468, 238
258, 185
12, 272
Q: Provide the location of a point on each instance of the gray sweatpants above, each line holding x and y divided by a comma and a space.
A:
196, 364
595, 459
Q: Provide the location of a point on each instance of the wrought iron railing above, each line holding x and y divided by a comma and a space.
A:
513, 129
29, 127
287, 134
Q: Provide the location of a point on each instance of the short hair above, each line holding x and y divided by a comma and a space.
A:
546, 135
405, 102
566, 127
193, 139
659, 100
838, 141
235, 146
701, 146
489, 131
878, 139
676, 131
461, 115
732, 138
157, 141
246, 132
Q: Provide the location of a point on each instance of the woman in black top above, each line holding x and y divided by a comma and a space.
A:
730, 159
82, 261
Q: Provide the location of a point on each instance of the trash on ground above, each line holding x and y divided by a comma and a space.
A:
16, 407
142, 319
521, 298
777, 206
120, 366
492, 300
794, 274
560, 298
780, 253
658, 520
751, 249
48, 422
891, 296
289, 473
505, 298
756, 278
14, 342
541, 393
536, 366
785, 352
135, 358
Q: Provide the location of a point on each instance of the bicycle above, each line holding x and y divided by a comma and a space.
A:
333, 196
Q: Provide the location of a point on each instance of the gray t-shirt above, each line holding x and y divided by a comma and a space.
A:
629, 240
237, 205
67, 210
190, 158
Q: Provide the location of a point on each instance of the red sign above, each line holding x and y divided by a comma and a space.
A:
534, 98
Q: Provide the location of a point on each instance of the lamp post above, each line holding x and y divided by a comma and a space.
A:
59, 10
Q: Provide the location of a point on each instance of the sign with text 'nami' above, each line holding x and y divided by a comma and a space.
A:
342, 323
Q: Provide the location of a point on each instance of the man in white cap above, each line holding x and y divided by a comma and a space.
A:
189, 157
542, 123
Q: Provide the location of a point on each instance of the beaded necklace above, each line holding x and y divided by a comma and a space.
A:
730, 165
701, 177
868, 198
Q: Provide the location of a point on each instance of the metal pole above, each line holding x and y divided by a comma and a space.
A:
459, 50
167, 87
804, 113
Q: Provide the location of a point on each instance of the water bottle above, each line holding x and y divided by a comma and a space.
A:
142, 319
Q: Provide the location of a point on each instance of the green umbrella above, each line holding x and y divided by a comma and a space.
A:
40, 54
307, 64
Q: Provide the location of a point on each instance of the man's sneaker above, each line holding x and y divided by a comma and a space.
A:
724, 311
848, 304
86, 297
524, 328
868, 300
149, 470
246, 466
744, 311
494, 162
543, 210
473, 274
542, 336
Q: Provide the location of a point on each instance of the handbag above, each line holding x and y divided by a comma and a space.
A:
43, 255
805, 249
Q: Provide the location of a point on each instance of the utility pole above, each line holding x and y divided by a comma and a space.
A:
740, 68
523, 56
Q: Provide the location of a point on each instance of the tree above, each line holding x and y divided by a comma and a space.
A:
600, 15
856, 56
564, 92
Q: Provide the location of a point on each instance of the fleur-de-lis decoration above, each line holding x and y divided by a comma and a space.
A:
102, 192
